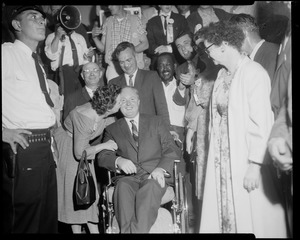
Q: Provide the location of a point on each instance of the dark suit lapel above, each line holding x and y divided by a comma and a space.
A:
127, 133
139, 78
85, 94
142, 129
123, 81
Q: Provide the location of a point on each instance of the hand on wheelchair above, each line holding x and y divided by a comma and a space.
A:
158, 175
126, 165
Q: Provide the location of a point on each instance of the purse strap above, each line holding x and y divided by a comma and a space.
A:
84, 161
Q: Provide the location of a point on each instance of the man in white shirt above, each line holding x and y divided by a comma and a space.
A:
72, 58
29, 190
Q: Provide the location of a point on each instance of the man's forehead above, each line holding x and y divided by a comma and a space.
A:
91, 65
183, 38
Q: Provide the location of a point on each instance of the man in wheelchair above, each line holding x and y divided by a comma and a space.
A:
144, 158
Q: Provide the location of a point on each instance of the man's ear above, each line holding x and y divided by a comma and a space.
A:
16, 25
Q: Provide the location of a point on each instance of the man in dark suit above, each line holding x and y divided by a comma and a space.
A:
257, 48
145, 155
148, 83
93, 78
162, 30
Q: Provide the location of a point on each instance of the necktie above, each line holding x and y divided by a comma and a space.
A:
135, 134
130, 81
74, 55
165, 24
42, 80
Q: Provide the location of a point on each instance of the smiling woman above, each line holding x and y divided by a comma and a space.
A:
240, 121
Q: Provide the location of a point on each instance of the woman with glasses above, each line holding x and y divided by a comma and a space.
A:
239, 195
82, 125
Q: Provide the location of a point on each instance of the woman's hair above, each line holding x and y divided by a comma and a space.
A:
221, 31
105, 97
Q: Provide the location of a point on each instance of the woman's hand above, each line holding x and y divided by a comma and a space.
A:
251, 179
110, 145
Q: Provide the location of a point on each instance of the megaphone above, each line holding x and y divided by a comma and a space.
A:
69, 17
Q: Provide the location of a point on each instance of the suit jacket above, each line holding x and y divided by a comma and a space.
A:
280, 83
266, 55
194, 19
151, 92
156, 145
156, 36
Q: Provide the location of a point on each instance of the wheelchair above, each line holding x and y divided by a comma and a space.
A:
172, 214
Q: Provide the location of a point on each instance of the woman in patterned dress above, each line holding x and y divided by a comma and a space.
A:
239, 195
83, 124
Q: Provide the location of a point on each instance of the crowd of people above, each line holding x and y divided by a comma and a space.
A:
191, 83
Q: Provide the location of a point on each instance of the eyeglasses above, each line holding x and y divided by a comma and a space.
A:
205, 49
201, 50
88, 71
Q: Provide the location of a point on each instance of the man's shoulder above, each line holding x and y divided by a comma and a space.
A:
153, 20
271, 46
116, 80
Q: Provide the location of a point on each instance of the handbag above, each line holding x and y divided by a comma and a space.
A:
85, 189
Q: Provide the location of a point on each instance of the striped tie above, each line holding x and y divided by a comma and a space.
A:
130, 81
135, 134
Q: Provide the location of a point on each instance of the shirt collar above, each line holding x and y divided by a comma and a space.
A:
24, 47
171, 83
165, 14
187, 14
255, 49
133, 77
136, 120
90, 91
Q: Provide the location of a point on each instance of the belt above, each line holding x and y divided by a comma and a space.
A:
38, 135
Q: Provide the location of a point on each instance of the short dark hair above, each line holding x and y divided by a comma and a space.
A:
120, 48
221, 31
245, 21
171, 55
105, 97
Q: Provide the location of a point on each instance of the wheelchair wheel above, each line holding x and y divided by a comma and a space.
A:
183, 209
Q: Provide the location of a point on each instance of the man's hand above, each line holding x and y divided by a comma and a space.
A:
158, 175
187, 79
13, 136
60, 32
96, 31
89, 54
126, 165
161, 49
280, 154
175, 135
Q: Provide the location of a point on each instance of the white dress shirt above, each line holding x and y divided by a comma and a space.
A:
176, 112
255, 49
133, 77
81, 48
136, 122
23, 102
90, 92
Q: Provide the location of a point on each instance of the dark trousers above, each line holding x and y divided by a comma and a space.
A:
136, 203
29, 199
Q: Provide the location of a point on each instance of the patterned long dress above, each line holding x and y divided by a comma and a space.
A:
222, 158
